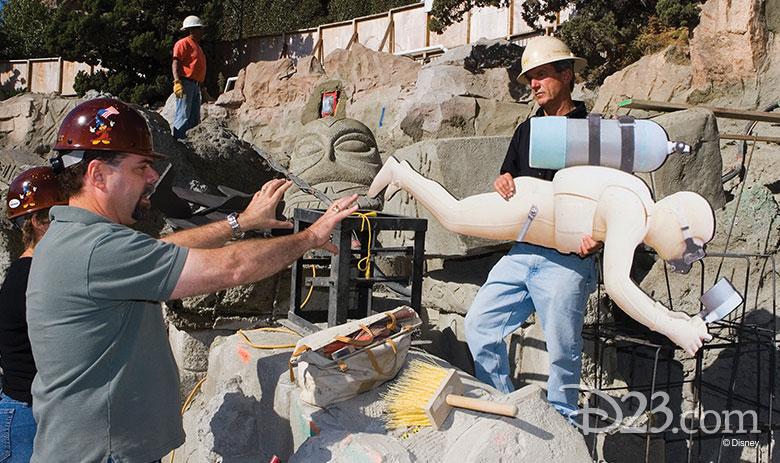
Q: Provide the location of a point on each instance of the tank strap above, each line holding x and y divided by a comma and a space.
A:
594, 139
627, 125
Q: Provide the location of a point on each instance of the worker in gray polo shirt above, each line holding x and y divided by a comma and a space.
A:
107, 388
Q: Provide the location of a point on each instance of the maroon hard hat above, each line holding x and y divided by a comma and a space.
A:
33, 190
103, 124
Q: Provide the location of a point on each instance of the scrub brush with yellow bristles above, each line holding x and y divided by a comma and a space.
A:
425, 393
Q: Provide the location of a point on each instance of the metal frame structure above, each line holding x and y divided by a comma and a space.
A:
733, 336
343, 278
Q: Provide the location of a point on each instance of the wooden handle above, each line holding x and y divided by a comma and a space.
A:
480, 405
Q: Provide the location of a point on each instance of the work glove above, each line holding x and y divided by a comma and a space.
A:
178, 89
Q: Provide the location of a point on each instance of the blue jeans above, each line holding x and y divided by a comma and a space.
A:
17, 430
532, 278
187, 109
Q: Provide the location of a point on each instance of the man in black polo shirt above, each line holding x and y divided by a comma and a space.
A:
532, 278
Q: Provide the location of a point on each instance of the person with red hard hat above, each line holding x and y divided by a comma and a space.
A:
30, 196
107, 387
189, 71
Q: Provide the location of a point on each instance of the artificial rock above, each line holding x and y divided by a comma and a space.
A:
701, 169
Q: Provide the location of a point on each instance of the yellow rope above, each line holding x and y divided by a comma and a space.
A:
311, 287
261, 346
184, 407
366, 260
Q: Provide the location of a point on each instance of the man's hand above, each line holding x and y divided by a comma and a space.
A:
261, 211
322, 229
505, 185
178, 89
589, 246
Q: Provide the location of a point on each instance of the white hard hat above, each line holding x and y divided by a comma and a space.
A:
190, 22
543, 50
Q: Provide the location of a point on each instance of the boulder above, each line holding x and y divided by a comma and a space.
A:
274, 93
234, 98
219, 157
729, 46
247, 410
270, 84
701, 169
437, 82
449, 285
31, 120
485, 54
382, 110
465, 435
340, 445
470, 90
464, 166
191, 350
362, 69
663, 76
240, 413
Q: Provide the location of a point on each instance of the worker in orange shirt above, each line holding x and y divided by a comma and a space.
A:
189, 70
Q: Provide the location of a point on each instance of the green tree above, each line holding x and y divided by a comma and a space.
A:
610, 34
132, 41
23, 26
251, 18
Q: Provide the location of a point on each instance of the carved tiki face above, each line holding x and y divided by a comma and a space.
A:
337, 156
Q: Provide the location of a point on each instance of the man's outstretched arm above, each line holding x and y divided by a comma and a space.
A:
209, 270
260, 213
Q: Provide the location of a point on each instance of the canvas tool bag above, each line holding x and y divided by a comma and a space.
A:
346, 360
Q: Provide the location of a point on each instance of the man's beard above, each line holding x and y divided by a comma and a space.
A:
142, 209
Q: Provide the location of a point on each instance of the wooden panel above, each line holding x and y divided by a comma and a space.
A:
334, 37
301, 44
519, 26
45, 76
489, 23
69, 71
371, 31
453, 36
265, 48
13, 74
410, 29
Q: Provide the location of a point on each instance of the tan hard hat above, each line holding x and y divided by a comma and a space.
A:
546, 49
190, 22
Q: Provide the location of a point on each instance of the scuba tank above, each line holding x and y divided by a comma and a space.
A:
626, 143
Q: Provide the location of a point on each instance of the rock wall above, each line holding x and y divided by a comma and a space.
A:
730, 43
664, 76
